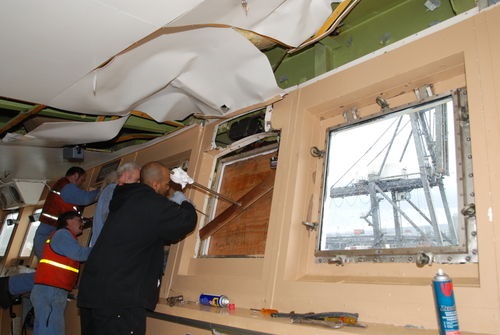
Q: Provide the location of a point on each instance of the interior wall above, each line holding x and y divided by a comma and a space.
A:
393, 293
288, 278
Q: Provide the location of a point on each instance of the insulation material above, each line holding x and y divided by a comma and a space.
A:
209, 68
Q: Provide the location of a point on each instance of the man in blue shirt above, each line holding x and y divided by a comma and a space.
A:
127, 173
65, 195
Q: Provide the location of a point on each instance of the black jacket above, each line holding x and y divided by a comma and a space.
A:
126, 262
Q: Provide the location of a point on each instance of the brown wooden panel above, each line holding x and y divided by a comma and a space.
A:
246, 233
232, 212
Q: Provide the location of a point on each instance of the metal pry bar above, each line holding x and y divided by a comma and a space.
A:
217, 194
331, 324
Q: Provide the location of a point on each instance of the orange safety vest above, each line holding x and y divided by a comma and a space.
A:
57, 270
55, 206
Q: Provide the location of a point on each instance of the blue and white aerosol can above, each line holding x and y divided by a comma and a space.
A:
214, 300
445, 304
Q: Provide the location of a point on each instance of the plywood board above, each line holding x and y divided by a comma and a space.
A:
246, 233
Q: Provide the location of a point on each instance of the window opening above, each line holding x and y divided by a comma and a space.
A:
9, 224
27, 246
400, 183
238, 174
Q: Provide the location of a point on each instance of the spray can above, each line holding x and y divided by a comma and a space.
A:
445, 304
214, 300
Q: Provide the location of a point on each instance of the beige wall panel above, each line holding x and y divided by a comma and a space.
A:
487, 133
444, 61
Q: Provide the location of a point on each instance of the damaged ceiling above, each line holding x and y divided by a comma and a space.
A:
113, 74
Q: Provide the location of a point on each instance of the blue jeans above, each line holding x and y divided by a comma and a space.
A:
23, 283
49, 303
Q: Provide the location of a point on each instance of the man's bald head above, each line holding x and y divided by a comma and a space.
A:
156, 175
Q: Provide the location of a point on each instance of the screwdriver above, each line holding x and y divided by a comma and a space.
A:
265, 310
344, 319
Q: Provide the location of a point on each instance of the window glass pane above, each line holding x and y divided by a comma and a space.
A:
30, 234
7, 230
393, 183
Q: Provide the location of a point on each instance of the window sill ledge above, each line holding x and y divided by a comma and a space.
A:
245, 321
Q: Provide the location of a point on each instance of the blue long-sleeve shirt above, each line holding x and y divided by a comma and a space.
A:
63, 243
72, 194
101, 212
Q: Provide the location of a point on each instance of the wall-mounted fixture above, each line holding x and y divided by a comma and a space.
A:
381, 102
73, 153
310, 225
338, 260
469, 210
35, 217
11, 222
424, 258
351, 115
19, 193
315, 152
273, 161
245, 127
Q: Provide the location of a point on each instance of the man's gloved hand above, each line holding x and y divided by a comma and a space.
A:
178, 198
179, 176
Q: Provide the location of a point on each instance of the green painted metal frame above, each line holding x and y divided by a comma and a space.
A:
370, 26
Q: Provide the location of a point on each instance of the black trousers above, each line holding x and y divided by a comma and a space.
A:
113, 321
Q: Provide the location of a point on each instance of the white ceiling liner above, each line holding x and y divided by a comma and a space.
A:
58, 134
51, 48
290, 22
208, 68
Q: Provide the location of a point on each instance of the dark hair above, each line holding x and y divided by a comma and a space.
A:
75, 169
62, 220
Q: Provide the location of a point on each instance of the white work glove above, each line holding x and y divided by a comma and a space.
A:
178, 198
179, 176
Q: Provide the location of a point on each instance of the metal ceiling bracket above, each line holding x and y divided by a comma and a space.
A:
351, 115
385, 38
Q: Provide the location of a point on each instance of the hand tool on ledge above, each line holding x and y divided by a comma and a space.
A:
331, 324
172, 300
317, 316
329, 319
180, 176
265, 310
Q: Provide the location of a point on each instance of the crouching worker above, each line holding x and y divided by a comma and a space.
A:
57, 273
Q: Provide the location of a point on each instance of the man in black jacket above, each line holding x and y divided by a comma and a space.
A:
122, 275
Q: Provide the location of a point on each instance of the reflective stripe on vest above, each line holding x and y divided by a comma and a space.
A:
59, 265
50, 216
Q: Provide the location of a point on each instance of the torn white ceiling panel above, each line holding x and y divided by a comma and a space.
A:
212, 66
59, 134
156, 12
48, 45
290, 22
